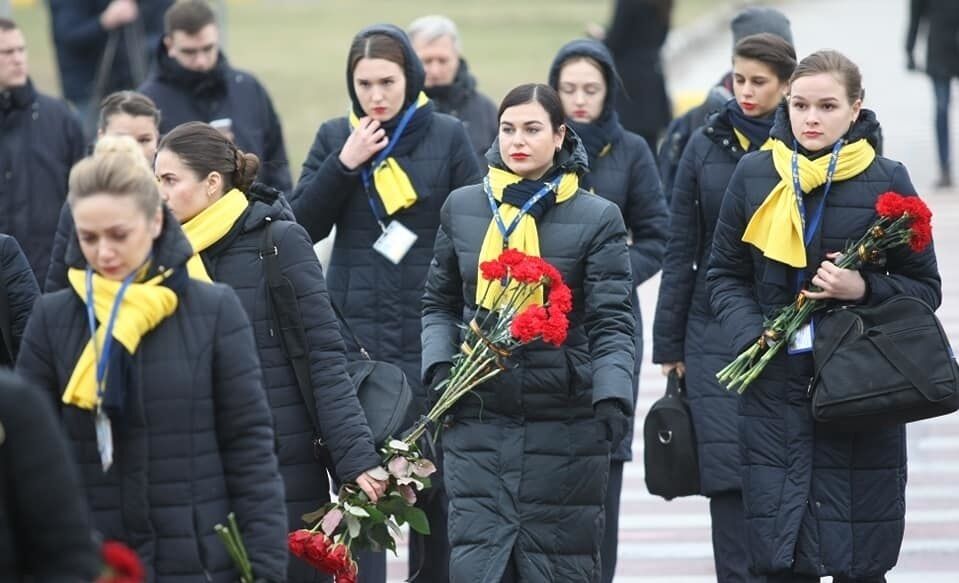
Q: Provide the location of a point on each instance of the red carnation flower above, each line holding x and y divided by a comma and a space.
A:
920, 236
526, 272
123, 564
561, 297
511, 257
493, 270
528, 324
556, 327
890, 205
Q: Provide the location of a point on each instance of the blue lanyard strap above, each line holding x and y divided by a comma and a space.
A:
812, 226
503, 229
367, 173
103, 359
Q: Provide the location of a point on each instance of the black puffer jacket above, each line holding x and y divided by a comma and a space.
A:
526, 463
45, 531
21, 290
224, 92
817, 502
40, 140
685, 329
463, 101
382, 301
197, 441
627, 176
236, 260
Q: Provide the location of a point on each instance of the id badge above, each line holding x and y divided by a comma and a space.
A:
801, 342
104, 440
395, 242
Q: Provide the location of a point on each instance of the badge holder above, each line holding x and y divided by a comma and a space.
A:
395, 241
802, 340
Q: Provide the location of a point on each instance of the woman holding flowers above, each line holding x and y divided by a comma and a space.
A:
208, 185
686, 336
527, 454
158, 383
818, 502
380, 175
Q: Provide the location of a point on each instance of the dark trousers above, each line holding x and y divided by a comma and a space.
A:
941, 88
793, 578
729, 539
372, 567
430, 555
611, 533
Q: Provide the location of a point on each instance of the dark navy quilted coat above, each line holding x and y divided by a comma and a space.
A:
526, 462
196, 442
685, 328
816, 502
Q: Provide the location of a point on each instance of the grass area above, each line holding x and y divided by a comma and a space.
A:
298, 47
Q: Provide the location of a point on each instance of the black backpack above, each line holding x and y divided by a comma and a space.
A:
671, 459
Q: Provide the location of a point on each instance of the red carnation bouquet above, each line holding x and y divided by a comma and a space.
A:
902, 220
120, 564
354, 522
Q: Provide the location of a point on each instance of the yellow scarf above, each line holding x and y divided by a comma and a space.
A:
745, 143
776, 228
392, 184
210, 226
143, 307
524, 238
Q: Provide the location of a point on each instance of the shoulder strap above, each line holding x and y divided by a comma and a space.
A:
349, 330
292, 333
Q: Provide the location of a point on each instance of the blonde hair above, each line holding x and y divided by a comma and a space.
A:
118, 168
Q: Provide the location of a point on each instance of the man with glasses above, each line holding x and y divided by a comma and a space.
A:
193, 81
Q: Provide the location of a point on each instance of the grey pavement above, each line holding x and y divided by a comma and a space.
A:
669, 542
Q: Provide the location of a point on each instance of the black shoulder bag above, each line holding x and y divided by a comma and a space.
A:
381, 387
669, 444
882, 365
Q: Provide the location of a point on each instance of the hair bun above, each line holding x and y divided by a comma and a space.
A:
247, 166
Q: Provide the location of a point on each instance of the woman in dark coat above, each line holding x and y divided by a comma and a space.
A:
817, 502
621, 169
527, 459
167, 416
18, 291
206, 182
686, 336
414, 168
45, 531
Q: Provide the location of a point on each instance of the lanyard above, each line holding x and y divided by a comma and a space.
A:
813, 225
104, 358
367, 173
503, 229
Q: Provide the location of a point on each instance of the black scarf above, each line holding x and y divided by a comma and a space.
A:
201, 84
451, 97
756, 129
17, 97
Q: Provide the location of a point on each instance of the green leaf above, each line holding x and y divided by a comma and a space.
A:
417, 519
379, 535
353, 526
376, 517
357, 511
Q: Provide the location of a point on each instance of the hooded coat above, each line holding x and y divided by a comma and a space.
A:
526, 462
817, 502
685, 329
382, 300
40, 140
626, 175
222, 93
196, 441
463, 101
236, 260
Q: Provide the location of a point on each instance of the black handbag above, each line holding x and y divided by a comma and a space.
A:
381, 387
882, 365
669, 444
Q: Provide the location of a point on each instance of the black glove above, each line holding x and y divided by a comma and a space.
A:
441, 372
610, 413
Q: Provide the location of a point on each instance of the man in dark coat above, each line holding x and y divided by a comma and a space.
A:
749, 21
103, 46
818, 502
193, 81
18, 290
40, 140
45, 530
449, 82
942, 64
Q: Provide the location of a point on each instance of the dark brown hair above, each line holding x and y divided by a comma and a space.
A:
535, 93
189, 16
204, 149
376, 46
834, 63
7, 24
130, 103
769, 49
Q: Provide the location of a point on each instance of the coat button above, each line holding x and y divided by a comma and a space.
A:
818, 504
726, 141
709, 130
